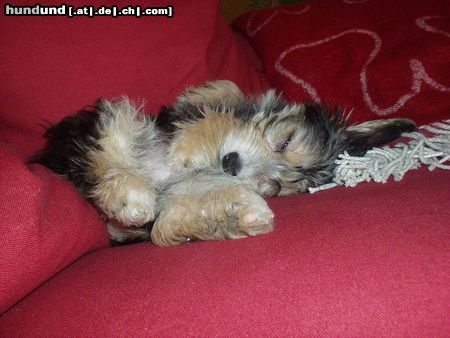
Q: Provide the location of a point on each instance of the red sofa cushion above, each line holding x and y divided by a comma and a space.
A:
364, 261
45, 226
53, 66
380, 58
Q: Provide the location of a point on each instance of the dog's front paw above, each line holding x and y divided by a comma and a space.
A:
127, 198
245, 214
223, 212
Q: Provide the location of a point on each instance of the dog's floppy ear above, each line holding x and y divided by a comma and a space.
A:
213, 94
364, 136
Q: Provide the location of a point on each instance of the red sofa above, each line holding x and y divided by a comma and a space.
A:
366, 261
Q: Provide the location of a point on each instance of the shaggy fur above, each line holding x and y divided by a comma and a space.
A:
201, 169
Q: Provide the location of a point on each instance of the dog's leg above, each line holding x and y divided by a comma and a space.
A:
107, 153
210, 206
122, 184
213, 94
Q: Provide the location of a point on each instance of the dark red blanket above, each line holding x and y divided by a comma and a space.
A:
380, 58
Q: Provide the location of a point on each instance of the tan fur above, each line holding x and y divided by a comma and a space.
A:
197, 144
122, 190
203, 143
186, 186
204, 203
215, 93
370, 126
126, 197
298, 149
210, 206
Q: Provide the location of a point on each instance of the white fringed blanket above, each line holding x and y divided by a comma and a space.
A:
430, 146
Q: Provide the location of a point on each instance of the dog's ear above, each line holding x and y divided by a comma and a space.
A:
213, 94
364, 136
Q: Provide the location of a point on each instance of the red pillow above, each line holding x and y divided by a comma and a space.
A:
53, 66
380, 58
45, 225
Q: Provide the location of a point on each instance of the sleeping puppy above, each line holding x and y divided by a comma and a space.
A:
201, 169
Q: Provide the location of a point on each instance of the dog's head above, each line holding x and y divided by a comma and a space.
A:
278, 148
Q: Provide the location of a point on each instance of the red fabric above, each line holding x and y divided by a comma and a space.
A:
380, 58
364, 261
45, 225
53, 66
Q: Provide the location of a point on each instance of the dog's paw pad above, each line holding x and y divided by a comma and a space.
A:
250, 219
128, 199
137, 206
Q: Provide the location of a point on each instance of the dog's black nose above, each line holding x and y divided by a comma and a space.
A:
231, 163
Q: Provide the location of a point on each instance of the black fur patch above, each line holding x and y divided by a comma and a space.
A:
325, 123
134, 240
67, 144
166, 119
244, 110
325, 131
231, 163
358, 143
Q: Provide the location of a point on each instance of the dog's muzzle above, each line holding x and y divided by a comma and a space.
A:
231, 163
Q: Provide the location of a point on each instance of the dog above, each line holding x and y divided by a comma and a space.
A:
201, 170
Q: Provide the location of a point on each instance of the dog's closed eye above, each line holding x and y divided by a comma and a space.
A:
280, 147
